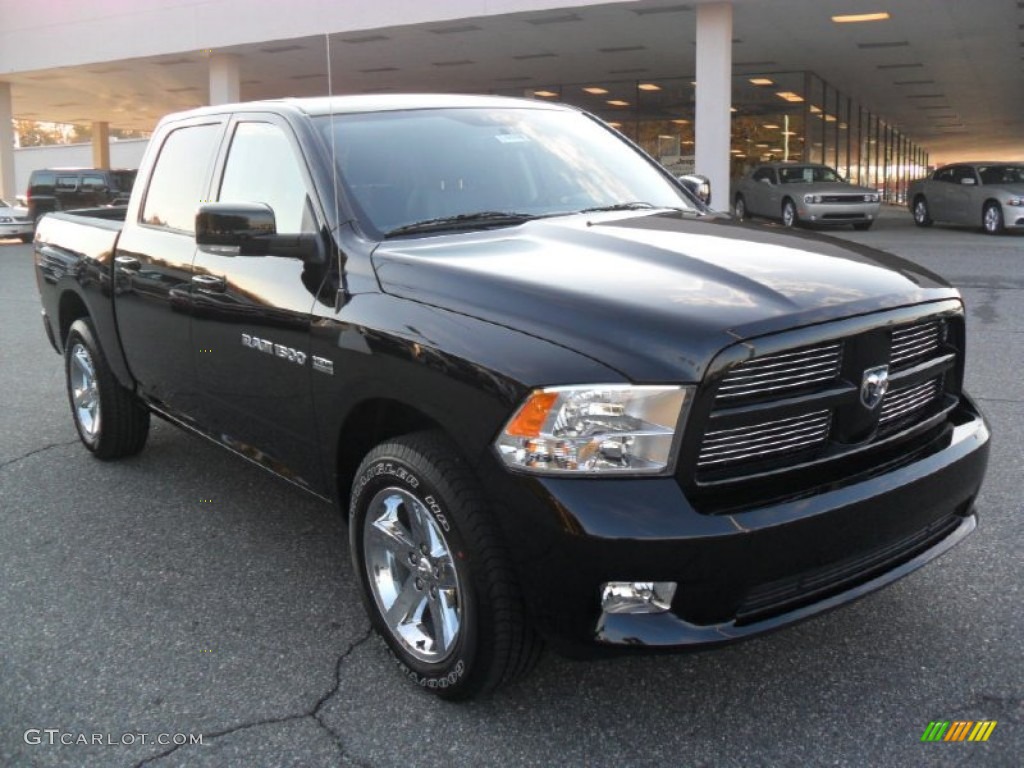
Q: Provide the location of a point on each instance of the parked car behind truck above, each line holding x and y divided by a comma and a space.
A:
555, 397
804, 194
61, 189
986, 195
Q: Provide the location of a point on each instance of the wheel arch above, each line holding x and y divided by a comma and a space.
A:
70, 308
369, 423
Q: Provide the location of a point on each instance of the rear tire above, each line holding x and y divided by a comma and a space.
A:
433, 571
922, 216
992, 219
110, 420
740, 208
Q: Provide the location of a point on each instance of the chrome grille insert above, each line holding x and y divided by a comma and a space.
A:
914, 342
767, 438
784, 371
904, 402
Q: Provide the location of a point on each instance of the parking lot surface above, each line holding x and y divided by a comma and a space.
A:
185, 593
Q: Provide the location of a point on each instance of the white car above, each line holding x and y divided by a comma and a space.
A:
805, 193
986, 194
15, 222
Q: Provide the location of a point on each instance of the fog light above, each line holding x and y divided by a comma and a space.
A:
637, 596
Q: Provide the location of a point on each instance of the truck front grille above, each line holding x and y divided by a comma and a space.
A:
729, 446
806, 404
776, 374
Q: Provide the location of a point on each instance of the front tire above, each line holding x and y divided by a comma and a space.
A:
863, 226
26, 238
922, 216
110, 420
992, 219
432, 570
790, 218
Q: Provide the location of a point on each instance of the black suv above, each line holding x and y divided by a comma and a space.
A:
57, 189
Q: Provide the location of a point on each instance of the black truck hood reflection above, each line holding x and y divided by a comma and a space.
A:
653, 296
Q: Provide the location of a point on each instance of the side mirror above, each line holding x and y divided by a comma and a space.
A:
698, 185
968, 180
765, 180
250, 229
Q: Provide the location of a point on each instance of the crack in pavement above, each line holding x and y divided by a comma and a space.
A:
314, 713
34, 451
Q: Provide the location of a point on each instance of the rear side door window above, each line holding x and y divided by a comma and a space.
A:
179, 178
66, 184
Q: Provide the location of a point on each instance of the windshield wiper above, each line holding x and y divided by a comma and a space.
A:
479, 220
640, 206
637, 205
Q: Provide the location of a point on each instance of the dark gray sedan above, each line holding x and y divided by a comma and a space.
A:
804, 194
990, 195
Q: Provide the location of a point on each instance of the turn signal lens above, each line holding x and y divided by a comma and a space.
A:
616, 428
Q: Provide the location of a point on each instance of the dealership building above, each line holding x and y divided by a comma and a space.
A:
879, 90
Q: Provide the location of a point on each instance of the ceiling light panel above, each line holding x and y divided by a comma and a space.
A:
858, 18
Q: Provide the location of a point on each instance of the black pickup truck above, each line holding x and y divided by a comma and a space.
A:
557, 398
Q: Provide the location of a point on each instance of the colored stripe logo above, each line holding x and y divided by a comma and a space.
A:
958, 730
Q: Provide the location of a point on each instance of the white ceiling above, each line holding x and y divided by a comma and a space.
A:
948, 73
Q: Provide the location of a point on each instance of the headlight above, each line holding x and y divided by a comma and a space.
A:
874, 198
609, 429
812, 198
1018, 201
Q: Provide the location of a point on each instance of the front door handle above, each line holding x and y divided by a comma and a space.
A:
210, 283
127, 263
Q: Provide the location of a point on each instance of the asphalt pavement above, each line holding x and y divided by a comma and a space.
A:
185, 593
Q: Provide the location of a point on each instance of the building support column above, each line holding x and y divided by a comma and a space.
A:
101, 145
7, 191
225, 81
712, 132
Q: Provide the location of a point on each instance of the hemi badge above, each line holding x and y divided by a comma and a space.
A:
323, 365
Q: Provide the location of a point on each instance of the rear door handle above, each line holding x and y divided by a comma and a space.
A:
209, 283
127, 263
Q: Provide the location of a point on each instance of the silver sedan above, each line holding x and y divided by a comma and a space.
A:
990, 195
805, 194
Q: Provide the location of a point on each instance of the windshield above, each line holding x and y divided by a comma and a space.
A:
1001, 174
808, 174
402, 168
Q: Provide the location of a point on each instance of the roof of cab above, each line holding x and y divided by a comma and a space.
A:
338, 105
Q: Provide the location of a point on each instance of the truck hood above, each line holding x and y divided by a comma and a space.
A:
654, 296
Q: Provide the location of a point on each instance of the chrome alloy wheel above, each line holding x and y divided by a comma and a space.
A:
920, 212
85, 393
412, 575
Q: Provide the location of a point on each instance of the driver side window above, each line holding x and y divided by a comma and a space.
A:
263, 167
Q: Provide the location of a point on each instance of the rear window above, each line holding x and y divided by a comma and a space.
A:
42, 179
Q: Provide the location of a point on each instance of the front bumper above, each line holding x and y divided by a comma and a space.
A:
837, 213
738, 574
1013, 216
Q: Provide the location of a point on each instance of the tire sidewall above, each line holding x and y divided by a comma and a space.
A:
741, 208
382, 469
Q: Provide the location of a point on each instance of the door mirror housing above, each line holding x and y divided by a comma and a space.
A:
699, 186
250, 229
